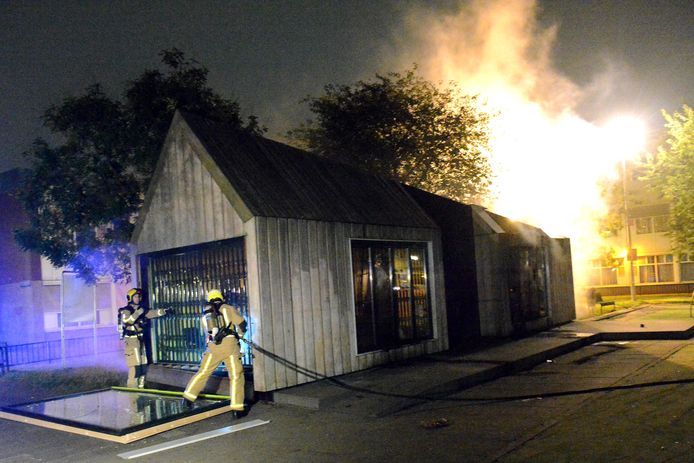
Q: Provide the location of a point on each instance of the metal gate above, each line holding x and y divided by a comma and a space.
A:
180, 279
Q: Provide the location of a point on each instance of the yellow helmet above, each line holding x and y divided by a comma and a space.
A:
132, 292
214, 294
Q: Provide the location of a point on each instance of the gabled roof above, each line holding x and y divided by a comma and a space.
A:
276, 180
445, 210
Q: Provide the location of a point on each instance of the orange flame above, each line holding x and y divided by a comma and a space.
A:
546, 158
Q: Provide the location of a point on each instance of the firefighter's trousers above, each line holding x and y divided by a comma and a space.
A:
229, 352
136, 360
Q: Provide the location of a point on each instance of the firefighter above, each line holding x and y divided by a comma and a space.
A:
224, 326
132, 320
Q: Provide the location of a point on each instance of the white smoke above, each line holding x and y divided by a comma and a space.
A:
546, 158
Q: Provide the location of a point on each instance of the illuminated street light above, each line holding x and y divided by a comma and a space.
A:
627, 137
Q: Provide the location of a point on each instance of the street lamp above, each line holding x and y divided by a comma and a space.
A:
628, 136
631, 255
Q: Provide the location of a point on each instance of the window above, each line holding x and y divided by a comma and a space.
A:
604, 275
687, 267
391, 296
660, 223
644, 225
656, 269
657, 224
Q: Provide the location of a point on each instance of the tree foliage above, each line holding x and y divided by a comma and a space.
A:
671, 174
612, 191
83, 196
406, 128
612, 221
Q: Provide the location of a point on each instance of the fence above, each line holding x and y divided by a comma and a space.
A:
4, 361
46, 351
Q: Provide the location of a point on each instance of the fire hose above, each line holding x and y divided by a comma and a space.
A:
443, 397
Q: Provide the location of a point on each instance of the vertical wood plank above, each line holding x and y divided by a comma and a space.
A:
184, 234
284, 298
266, 314
334, 275
260, 365
306, 295
297, 297
273, 288
209, 217
318, 334
343, 287
216, 205
324, 282
177, 191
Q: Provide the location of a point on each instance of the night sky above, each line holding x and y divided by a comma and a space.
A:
622, 55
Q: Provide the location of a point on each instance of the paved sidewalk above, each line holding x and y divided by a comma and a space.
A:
387, 389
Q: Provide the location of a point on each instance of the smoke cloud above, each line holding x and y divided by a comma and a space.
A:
546, 158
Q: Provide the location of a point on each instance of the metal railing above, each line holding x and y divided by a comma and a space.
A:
4, 361
47, 351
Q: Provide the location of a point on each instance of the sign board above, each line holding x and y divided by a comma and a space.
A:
77, 300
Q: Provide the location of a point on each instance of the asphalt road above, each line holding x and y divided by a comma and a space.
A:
586, 406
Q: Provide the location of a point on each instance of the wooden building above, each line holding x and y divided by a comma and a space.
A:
502, 278
336, 270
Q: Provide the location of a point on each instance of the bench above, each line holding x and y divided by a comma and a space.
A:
604, 304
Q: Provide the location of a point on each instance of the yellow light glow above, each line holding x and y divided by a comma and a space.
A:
547, 159
625, 136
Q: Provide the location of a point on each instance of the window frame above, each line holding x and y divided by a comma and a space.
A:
392, 246
688, 260
644, 225
656, 262
597, 268
661, 223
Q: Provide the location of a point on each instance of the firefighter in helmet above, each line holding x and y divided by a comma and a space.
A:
224, 326
132, 320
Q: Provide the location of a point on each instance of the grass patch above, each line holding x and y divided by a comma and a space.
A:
28, 386
626, 302
668, 314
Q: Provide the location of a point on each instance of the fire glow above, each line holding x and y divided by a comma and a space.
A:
546, 159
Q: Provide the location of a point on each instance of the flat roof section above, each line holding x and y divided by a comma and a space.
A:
118, 414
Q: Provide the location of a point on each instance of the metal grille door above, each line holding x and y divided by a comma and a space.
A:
180, 279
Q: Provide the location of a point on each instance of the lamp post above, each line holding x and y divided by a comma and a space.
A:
627, 137
630, 254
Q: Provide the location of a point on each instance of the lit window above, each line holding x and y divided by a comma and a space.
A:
391, 299
656, 269
602, 274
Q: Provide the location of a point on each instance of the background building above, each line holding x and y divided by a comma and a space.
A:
32, 300
658, 269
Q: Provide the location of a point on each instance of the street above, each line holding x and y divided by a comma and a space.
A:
482, 424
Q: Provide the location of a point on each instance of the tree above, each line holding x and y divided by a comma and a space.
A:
405, 128
83, 196
671, 174
612, 191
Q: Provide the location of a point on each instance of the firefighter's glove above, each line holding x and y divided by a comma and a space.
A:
211, 334
168, 311
220, 335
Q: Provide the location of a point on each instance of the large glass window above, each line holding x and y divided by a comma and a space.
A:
656, 269
687, 267
391, 297
602, 274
